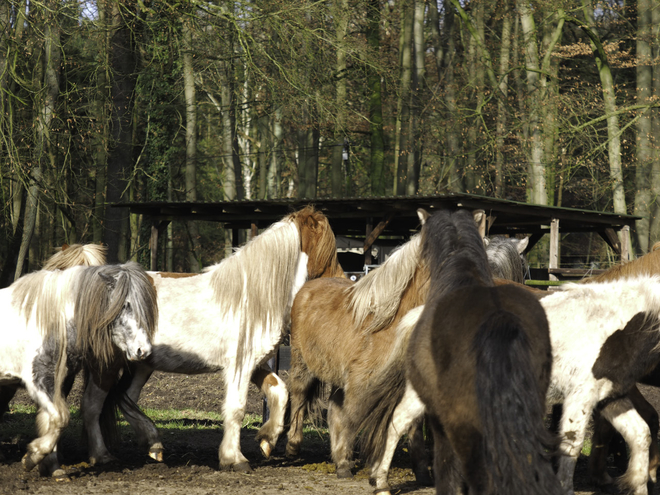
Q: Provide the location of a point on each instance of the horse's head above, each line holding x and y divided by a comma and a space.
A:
117, 309
318, 243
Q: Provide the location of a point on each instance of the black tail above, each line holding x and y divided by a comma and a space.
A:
517, 446
379, 401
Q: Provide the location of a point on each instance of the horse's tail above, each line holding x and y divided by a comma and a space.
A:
383, 395
511, 404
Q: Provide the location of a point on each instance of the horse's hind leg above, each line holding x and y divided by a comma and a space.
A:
277, 395
301, 384
446, 470
418, 457
410, 410
627, 421
341, 435
600, 441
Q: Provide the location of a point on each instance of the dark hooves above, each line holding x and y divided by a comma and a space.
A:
424, 478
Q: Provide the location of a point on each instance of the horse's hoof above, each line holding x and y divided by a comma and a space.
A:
242, 467
653, 474
382, 491
424, 478
28, 463
156, 454
344, 473
266, 448
60, 475
291, 452
102, 460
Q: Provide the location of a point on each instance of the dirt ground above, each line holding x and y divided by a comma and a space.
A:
191, 463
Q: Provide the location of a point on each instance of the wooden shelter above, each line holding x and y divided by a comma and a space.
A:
367, 219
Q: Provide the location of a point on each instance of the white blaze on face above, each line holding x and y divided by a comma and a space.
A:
131, 338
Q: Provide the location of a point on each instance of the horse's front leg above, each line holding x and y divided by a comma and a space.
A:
237, 384
301, 386
409, 410
274, 388
129, 389
341, 434
51, 419
572, 428
94, 395
627, 421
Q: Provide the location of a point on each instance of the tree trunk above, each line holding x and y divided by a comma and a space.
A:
644, 125
609, 97
232, 179
274, 167
500, 130
453, 148
415, 155
402, 146
537, 172
654, 229
123, 63
340, 16
45, 110
378, 186
194, 255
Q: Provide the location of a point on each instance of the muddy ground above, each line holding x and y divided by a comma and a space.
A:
191, 463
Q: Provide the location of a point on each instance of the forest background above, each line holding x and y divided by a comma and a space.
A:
552, 102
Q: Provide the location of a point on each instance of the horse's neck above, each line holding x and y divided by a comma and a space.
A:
416, 292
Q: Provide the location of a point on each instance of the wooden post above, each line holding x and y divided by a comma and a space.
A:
153, 248
625, 244
553, 261
367, 251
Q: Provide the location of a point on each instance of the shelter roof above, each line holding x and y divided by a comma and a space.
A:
396, 215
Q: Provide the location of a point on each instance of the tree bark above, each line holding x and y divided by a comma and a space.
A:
402, 146
123, 63
340, 16
500, 130
415, 155
376, 132
644, 125
194, 254
45, 111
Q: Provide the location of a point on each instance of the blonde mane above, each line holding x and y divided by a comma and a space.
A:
76, 254
257, 280
378, 294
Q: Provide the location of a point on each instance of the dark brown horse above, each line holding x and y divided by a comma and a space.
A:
479, 359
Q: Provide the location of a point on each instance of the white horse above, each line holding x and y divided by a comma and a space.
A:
76, 255
605, 337
56, 320
229, 319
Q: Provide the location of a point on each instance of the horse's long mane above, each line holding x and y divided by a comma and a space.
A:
649, 264
77, 254
454, 251
257, 280
96, 307
378, 293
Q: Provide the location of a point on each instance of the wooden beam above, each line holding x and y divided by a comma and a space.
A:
373, 235
553, 261
610, 237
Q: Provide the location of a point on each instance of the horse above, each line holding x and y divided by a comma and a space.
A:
57, 320
603, 431
506, 257
342, 334
478, 363
64, 257
229, 319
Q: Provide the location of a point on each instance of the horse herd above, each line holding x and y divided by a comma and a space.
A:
443, 331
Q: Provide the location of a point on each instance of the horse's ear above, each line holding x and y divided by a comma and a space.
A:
480, 219
423, 215
522, 245
311, 221
109, 281
65, 246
